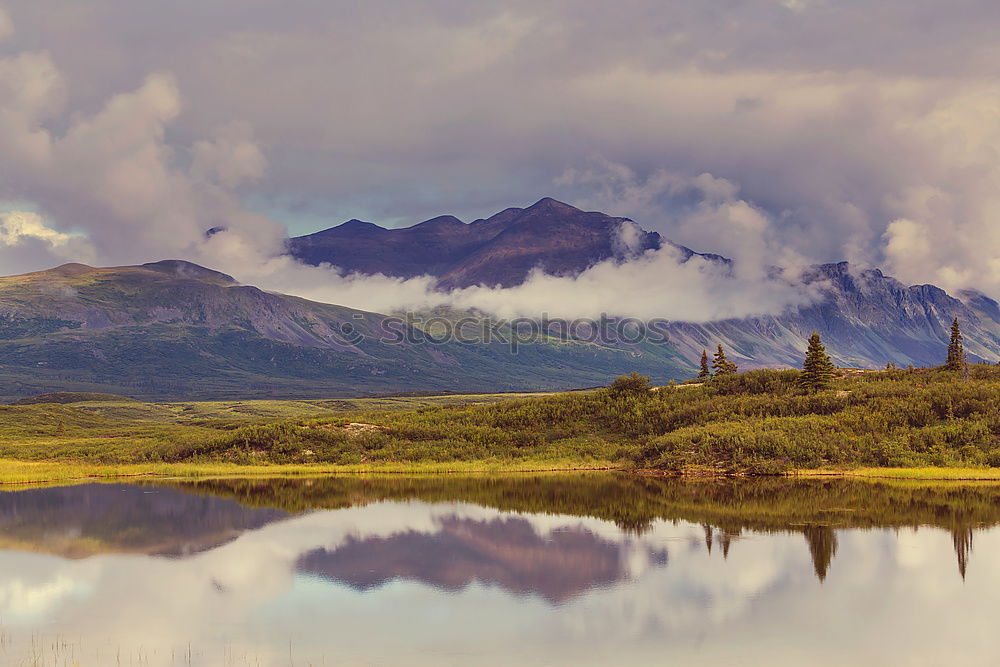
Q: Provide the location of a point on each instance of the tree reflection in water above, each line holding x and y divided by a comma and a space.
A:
726, 508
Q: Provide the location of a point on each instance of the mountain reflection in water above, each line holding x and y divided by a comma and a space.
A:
533, 568
725, 508
80, 521
507, 552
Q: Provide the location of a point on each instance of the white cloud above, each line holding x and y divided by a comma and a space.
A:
231, 158
20, 599
19, 226
656, 285
751, 131
27, 243
6, 25
31, 92
113, 174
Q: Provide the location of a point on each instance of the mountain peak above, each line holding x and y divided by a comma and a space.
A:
440, 222
71, 269
500, 250
549, 204
356, 225
184, 269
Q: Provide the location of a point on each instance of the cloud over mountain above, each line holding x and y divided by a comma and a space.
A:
796, 131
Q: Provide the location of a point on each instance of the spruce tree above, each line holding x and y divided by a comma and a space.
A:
817, 370
722, 365
956, 350
704, 373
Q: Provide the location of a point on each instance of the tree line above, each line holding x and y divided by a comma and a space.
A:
818, 369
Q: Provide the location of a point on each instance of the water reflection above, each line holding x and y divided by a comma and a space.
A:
507, 552
80, 521
724, 508
546, 569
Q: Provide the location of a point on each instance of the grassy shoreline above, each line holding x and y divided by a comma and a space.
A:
14, 473
915, 424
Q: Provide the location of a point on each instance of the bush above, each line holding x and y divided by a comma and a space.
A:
763, 381
632, 383
992, 458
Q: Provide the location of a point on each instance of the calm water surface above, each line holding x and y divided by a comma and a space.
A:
589, 569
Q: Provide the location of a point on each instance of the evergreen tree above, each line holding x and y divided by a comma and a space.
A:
722, 365
817, 370
704, 373
956, 350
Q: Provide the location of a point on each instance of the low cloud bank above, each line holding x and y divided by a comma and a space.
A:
656, 284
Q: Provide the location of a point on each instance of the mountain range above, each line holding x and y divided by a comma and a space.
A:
869, 318
172, 329
497, 251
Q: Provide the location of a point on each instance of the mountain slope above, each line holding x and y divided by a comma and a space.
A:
866, 319
500, 250
177, 330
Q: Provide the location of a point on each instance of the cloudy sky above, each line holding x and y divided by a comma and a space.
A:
791, 130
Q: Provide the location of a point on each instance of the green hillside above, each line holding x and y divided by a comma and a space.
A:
177, 331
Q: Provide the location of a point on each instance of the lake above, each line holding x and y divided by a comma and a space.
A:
585, 569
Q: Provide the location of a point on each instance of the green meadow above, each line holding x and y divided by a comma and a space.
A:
911, 422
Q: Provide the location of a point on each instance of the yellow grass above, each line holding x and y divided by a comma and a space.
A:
928, 473
13, 472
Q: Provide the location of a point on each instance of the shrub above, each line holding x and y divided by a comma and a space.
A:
633, 383
762, 381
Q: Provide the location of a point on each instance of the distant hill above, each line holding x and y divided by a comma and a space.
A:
173, 329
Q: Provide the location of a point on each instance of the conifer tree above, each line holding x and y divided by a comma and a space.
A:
722, 365
956, 350
817, 370
704, 373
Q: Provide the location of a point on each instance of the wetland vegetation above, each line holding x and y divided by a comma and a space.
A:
757, 422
